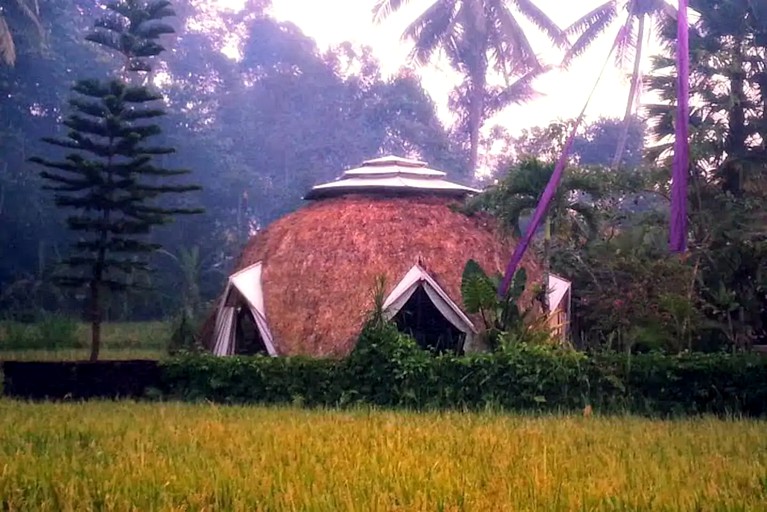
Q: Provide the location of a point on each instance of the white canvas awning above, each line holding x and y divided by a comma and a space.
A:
559, 298
418, 277
558, 288
243, 289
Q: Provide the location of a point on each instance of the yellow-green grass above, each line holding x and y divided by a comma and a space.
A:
135, 335
119, 340
128, 335
126, 456
79, 354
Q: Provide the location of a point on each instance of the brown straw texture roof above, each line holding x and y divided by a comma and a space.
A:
320, 263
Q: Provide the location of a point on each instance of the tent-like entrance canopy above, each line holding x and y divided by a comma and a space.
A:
417, 278
559, 301
243, 291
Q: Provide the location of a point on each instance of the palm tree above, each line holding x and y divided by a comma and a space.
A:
571, 215
634, 32
479, 36
29, 10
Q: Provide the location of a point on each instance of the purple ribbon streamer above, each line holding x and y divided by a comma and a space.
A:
678, 219
551, 187
540, 212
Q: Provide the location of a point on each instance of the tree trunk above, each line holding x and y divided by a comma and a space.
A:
546, 264
735, 144
95, 315
475, 120
97, 277
632, 96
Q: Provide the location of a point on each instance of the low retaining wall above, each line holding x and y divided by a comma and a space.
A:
56, 380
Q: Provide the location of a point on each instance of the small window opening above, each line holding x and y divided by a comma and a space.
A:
420, 319
248, 340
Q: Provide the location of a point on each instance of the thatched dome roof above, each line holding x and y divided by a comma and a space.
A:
320, 263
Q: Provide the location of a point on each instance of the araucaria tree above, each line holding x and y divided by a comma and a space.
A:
110, 178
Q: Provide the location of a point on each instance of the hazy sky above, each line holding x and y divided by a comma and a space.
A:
563, 92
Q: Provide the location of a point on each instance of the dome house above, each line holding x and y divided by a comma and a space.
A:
305, 284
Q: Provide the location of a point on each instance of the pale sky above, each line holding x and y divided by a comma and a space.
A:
563, 93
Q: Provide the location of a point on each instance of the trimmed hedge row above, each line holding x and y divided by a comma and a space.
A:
389, 370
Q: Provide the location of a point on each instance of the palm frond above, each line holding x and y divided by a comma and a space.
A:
513, 208
540, 19
585, 217
429, 30
7, 46
31, 10
452, 51
583, 184
588, 37
521, 91
627, 43
667, 10
384, 8
582, 24
521, 50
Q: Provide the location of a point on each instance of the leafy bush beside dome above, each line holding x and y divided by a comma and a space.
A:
505, 319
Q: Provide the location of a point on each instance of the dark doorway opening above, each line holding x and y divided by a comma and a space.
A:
421, 319
247, 340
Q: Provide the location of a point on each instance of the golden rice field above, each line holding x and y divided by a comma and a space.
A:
144, 457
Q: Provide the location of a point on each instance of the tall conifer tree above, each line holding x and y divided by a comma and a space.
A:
110, 177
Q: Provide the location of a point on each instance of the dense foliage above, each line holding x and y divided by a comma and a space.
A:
388, 369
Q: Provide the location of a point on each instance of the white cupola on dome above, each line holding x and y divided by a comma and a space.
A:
391, 175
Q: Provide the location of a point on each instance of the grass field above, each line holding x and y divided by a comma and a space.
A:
125, 456
79, 354
120, 340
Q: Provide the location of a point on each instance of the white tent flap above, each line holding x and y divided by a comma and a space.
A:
558, 287
402, 292
224, 332
247, 282
416, 277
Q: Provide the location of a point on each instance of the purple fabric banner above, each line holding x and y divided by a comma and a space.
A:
678, 220
540, 213
551, 187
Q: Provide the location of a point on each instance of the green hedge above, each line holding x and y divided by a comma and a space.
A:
389, 370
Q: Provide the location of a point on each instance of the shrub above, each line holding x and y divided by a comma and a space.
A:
17, 335
254, 379
50, 332
388, 369
56, 331
184, 337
